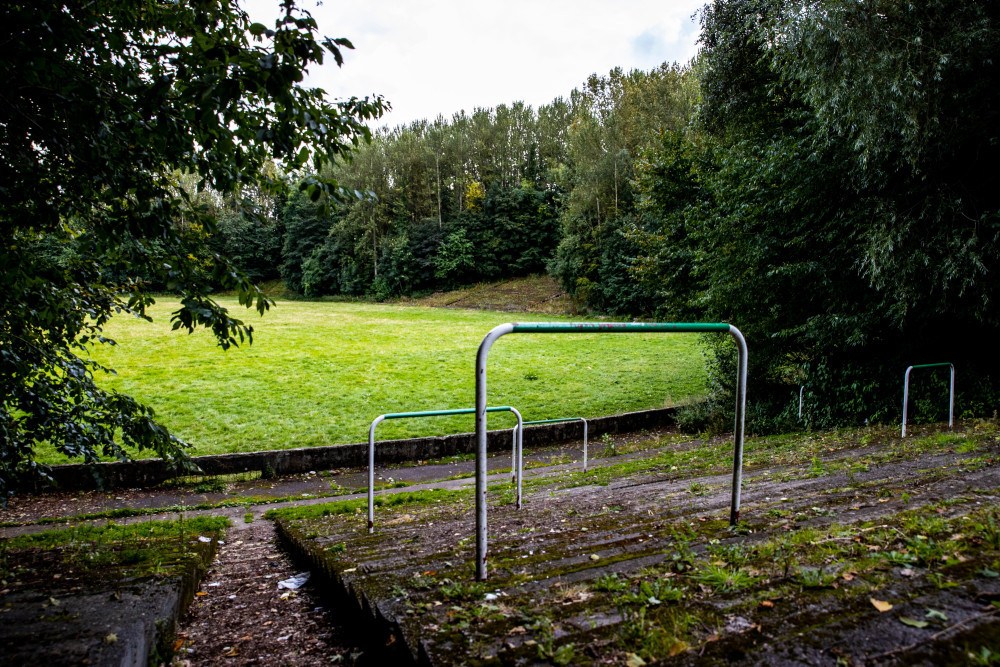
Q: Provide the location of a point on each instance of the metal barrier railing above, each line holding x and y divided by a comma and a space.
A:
561, 420
598, 327
951, 392
517, 462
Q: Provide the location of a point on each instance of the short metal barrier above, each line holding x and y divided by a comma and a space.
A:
516, 463
566, 419
598, 327
951, 392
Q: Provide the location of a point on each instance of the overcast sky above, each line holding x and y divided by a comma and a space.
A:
430, 57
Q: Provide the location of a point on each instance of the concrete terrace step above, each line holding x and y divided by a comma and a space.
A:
578, 574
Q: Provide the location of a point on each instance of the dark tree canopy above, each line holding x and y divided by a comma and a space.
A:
105, 105
846, 215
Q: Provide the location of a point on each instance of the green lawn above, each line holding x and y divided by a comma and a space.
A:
318, 373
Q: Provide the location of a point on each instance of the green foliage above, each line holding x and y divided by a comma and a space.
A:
403, 498
115, 551
454, 261
832, 204
107, 106
610, 583
724, 579
814, 578
462, 590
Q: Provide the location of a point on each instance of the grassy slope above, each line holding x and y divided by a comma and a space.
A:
318, 373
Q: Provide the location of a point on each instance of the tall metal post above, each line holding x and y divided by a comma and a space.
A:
741, 410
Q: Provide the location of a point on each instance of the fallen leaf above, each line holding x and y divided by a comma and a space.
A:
847, 576
912, 622
111, 638
596, 557
881, 605
936, 615
632, 660
766, 604
201, 593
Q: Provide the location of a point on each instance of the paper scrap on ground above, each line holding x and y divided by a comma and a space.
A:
294, 583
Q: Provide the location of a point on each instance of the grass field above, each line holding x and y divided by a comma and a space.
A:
319, 372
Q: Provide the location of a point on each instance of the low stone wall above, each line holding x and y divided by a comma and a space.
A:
150, 472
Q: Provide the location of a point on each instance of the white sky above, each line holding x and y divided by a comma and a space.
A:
430, 57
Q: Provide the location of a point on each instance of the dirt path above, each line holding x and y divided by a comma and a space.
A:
241, 617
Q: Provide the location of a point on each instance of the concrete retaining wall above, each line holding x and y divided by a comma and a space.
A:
150, 472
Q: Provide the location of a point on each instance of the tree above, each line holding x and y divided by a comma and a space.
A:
103, 102
850, 227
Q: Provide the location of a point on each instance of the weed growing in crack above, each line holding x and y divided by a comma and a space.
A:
698, 489
736, 555
462, 590
610, 449
926, 551
545, 635
722, 579
815, 578
655, 638
651, 593
781, 552
940, 581
989, 530
610, 583
984, 656
901, 558
816, 468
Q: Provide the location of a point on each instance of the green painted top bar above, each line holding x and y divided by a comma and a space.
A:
945, 363
554, 421
618, 327
444, 413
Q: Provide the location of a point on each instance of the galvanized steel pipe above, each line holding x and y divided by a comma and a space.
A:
597, 327
951, 392
516, 463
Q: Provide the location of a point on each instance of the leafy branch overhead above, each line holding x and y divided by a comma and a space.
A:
106, 106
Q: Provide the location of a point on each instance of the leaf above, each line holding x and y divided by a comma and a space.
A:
633, 660
936, 615
881, 605
912, 622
